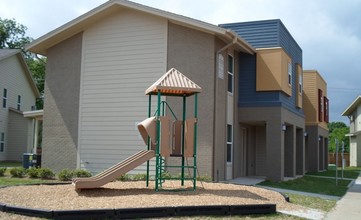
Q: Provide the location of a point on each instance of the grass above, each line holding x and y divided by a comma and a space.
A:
10, 164
312, 202
312, 185
274, 216
9, 181
349, 172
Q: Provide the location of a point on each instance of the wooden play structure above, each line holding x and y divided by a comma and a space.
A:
164, 134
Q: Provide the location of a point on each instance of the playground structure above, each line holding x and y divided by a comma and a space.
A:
164, 138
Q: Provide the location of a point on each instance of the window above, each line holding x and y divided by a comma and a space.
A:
320, 105
2, 142
289, 69
230, 73
229, 143
300, 83
326, 109
5, 97
19, 102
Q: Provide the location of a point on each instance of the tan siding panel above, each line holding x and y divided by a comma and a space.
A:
122, 56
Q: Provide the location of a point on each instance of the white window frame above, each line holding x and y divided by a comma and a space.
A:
2, 142
230, 144
19, 102
5, 97
289, 70
230, 74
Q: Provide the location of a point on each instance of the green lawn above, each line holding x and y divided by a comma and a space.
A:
275, 216
312, 202
349, 172
9, 181
10, 164
312, 185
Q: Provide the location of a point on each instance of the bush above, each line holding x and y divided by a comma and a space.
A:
140, 177
66, 175
45, 173
18, 172
124, 177
2, 171
81, 173
204, 178
166, 174
33, 172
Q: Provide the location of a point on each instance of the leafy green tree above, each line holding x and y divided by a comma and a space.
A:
13, 36
338, 130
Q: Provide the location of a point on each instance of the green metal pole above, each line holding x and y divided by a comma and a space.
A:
183, 136
148, 140
195, 142
163, 108
157, 165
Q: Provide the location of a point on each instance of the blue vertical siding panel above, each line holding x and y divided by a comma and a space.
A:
265, 34
248, 97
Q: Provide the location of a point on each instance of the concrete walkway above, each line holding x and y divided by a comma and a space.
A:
349, 207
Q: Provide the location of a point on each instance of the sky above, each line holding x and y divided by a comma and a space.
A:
328, 31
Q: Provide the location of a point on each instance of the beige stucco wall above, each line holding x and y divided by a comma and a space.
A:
266, 137
192, 53
61, 106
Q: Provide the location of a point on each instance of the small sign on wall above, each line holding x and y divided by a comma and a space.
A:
220, 69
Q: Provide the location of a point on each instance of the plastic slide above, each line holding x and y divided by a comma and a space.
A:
114, 172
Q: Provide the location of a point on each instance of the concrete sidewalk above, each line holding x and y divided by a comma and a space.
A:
349, 207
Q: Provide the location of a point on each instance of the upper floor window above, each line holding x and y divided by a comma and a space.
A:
300, 82
5, 97
320, 105
19, 102
2, 142
326, 110
230, 74
289, 70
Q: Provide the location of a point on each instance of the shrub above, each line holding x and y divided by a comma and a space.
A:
140, 176
33, 172
81, 173
166, 175
18, 172
2, 171
204, 178
124, 177
45, 173
66, 175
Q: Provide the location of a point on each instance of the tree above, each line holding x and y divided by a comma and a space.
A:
13, 36
338, 130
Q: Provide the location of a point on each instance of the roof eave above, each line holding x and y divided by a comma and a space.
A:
348, 111
80, 23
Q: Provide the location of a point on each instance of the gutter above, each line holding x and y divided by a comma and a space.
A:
234, 41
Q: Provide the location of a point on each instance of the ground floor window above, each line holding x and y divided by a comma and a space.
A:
229, 142
2, 142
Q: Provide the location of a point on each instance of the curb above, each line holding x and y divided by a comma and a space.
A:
149, 212
154, 212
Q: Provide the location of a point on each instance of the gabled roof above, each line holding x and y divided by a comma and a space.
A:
81, 23
174, 82
5, 53
351, 108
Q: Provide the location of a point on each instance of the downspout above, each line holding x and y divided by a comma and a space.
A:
234, 41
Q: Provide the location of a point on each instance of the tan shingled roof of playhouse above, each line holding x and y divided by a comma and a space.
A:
174, 83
